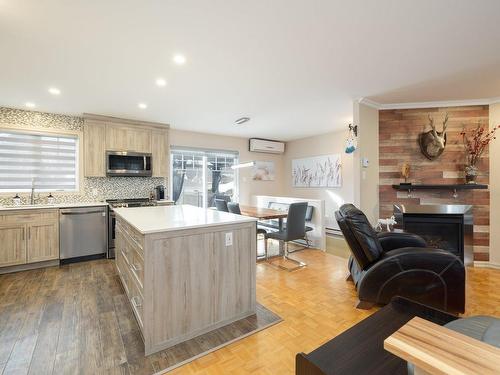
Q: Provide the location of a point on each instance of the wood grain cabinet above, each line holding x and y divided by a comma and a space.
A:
186, 282
160, 151
29, 236
94, 140
126, 138
116, 138
43, 242
102, 133
13, 249
139, 140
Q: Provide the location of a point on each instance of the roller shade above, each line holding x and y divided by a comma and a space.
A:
51, 160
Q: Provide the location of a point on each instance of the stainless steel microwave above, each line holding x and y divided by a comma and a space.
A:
124, 163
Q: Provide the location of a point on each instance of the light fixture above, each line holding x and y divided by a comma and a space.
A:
54, 91
161, 82
243, 165
179, 59
30, 104
242, 120
142, 105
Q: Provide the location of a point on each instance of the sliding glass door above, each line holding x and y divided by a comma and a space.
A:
198, 177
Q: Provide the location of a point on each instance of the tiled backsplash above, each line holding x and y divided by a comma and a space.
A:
93, 188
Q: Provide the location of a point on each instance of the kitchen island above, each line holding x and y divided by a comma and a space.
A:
186, 270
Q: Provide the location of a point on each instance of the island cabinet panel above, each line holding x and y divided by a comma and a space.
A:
186, 282
181, 270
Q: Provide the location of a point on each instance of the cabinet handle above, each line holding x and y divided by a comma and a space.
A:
29, 233
135, 268
125, 256
135, 303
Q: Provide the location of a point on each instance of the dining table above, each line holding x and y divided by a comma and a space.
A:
262, 213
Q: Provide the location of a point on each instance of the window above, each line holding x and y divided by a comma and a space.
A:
200, 176
50, 162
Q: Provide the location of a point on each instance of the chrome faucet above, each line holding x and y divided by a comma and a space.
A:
32, 195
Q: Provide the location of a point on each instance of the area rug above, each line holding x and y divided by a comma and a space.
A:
188, 351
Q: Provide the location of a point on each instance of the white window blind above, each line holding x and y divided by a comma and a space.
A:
51, 160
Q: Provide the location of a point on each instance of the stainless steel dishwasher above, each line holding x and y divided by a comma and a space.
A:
83, 233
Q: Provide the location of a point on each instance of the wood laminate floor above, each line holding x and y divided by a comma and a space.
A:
61, 320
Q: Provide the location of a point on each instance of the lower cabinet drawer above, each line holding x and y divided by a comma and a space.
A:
132, 290
137, 268
123, 273
137, 302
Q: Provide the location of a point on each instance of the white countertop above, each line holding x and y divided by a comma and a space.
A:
55, 205
169, 218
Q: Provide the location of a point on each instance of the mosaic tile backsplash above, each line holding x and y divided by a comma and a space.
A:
93, 188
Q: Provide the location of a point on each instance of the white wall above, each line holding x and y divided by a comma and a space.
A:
330, 143
248, 187
366, 180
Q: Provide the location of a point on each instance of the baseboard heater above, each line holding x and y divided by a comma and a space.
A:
333, 232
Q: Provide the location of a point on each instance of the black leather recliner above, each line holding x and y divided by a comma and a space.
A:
392, 264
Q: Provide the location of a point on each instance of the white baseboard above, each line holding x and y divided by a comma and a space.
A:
482, 264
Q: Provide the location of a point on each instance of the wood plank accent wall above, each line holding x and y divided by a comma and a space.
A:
398, 143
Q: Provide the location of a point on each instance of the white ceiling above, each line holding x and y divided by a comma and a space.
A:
293, 66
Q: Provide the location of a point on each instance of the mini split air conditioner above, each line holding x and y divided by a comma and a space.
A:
267, 146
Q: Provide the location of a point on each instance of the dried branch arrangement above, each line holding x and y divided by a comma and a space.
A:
476, 142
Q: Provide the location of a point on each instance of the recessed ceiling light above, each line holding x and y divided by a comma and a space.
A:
142, 105
54, 91
161, 82
30, 104
179, 59
242, 120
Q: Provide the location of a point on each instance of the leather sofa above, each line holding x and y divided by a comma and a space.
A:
384, 265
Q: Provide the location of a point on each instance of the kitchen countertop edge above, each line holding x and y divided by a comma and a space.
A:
53, 206
241, 219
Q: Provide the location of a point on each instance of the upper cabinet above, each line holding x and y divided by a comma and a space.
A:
103, 134
94, 138
127, 138
161, 152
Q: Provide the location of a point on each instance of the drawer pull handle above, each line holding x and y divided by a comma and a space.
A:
135, 303
125, 256
125, 284
135, 268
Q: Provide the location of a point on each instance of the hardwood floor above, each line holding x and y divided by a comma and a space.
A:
63, 320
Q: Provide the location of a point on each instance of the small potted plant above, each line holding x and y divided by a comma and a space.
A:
475, 144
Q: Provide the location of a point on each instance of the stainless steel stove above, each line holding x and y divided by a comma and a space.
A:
118, 203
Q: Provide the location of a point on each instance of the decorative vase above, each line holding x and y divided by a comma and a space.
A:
471, 174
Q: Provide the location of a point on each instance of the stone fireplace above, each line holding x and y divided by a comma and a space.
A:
446, 226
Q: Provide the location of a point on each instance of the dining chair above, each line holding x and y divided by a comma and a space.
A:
234, 208
221, 205
295, 230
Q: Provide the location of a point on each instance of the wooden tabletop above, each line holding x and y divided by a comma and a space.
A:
365, 340
439, 350
262, 213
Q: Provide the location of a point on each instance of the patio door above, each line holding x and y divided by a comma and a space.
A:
199, 176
